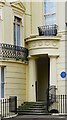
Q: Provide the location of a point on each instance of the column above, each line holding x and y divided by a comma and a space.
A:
32, 79
53, 74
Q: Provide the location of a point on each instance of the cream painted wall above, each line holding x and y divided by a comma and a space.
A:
61, 60
7, 25
61, 66
27, 20
15, 80
60, 16
33, 17
37, 16
66, 62
1, 25
15, 71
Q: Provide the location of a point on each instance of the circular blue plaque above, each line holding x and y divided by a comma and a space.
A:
63, 74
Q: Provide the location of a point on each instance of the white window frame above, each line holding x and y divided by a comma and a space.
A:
21, 30
16, 23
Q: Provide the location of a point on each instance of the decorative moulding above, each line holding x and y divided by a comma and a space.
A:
2, 2
18, 7
43, 44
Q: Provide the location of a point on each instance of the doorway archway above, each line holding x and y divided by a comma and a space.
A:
43, 73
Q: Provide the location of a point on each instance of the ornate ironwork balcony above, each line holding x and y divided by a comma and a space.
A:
48, 30
8, 51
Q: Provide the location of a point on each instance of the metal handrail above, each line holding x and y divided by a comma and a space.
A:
8, 51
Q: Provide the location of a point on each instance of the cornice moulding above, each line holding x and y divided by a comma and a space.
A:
18, 7
42, 38
2, 3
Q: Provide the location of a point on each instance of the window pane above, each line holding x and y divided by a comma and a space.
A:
18, 35
50, 12
50, 7
49, 20
14, 34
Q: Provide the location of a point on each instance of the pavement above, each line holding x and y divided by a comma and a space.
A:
38, 117
42, 117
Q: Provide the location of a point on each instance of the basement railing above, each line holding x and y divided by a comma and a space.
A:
48, 30
59, 105
56, 103
8, 107
8, 51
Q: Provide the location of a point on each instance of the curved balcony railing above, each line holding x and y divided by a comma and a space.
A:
8, 51
48, 30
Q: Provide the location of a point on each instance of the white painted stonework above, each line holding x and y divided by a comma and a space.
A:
43, 45
38, 46
23, 76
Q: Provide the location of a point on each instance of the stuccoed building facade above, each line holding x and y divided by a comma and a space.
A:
32, 49
47, 49
13, 54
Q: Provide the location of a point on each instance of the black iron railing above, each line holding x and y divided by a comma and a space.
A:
56, 103
60, 103
8, 51
48, 30
8, 106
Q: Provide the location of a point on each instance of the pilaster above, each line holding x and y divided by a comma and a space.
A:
53, 71
32, 79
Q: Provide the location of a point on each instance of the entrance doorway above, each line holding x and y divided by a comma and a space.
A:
42, 83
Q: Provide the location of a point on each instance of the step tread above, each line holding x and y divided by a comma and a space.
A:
38, 107
36, 111
32, 110
26, 113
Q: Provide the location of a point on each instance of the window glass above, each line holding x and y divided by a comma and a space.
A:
50, 7
14, 34
17, 26
50, 19
18, 35
50, 12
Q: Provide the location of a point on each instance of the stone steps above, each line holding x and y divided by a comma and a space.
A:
32, 108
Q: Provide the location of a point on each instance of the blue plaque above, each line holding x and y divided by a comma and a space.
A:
63, 74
